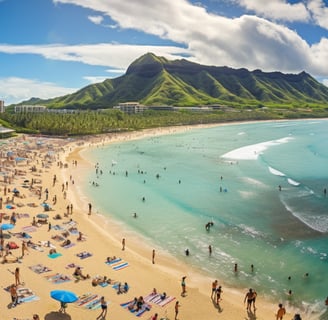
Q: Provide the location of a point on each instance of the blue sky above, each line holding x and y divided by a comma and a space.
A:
49, 48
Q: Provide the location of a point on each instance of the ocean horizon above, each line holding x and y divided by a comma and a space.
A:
262, 185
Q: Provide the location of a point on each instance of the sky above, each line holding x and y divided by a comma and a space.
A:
49, 48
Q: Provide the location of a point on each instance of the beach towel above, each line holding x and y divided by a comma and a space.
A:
54, 255
58, 237
145, 307
26, 295
120, 266
39, 268
94, 304
57, 227
21, 235
89, 301
58, 278
73, 265
113, 261
35, 247
69, 245
85, 298
84, 255
156, 298
29, 229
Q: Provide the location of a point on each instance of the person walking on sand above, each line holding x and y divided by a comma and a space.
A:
214, 286
24, 248
14, 295
176, 310
103, 305
281, 312
90, 208
17, 277
153, 256
123, 244
218, 295
183, 286
249, 297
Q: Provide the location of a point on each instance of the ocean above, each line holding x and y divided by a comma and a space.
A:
261, 184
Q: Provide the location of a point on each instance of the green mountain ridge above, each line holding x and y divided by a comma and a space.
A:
154, 80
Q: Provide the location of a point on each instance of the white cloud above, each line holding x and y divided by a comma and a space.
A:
319, 12
247, 41
102, 54
277, 9
96, 19
14, 90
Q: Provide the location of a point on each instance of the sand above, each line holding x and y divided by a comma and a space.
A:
101, 237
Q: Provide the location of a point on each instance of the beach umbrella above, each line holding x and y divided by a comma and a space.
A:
6, 226
42, 216
64, 296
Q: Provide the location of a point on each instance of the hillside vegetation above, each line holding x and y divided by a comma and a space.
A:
153, 80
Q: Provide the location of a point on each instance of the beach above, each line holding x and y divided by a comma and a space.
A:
57, 165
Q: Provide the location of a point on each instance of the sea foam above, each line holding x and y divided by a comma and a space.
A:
253, 151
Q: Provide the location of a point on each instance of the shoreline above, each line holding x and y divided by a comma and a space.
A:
198, 277
103, 238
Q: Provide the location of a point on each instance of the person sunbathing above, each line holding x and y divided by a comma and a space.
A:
163, 296
66, 243
133, 304
79, 275
110, 259
140, 303
100, 281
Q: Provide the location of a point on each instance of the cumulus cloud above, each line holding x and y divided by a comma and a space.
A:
14, 90
319, 12
246, 41
277, 9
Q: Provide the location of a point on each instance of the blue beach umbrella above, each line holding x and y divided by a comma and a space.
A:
64, 296
6, 226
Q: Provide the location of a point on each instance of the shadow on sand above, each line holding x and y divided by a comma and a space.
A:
250, 315
55, 315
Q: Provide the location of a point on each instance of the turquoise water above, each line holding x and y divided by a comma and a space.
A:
282, 233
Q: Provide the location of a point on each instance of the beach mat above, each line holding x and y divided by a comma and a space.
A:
39, 268
117, 264
58, 278
29, 229
144, 308
156, 298
54, 255
24, 294
84, 255
89, 301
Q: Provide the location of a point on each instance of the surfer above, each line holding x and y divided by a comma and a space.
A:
279, 187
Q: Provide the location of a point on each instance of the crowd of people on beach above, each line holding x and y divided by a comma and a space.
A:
72, 235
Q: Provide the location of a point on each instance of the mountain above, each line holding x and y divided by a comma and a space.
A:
154, 80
